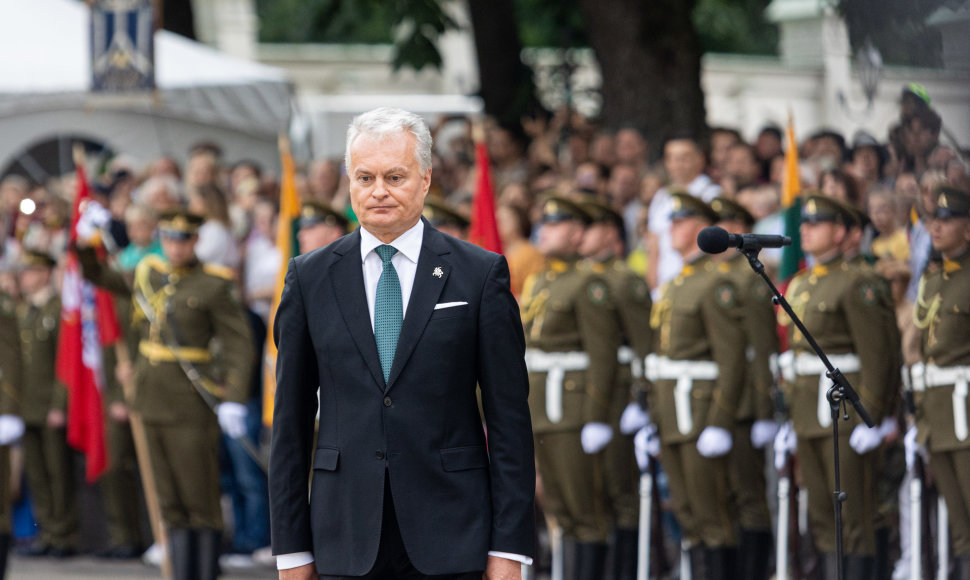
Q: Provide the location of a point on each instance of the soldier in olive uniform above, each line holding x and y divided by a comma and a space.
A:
847, 312
572, 337
943, 315
48, 459
697, 373
320, 225
444, 218
754, 425
11, 425
603, 248
190, 306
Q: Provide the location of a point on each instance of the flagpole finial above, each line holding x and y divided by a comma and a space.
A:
478, 130
283, 142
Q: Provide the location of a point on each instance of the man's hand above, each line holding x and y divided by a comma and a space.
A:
499, 568
305, 572
118, 412
56, 419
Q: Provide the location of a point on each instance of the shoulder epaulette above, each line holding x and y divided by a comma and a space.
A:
224, 272
154, 262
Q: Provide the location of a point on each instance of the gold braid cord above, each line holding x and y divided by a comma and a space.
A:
931, 309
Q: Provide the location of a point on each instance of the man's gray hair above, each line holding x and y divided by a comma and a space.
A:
383, 122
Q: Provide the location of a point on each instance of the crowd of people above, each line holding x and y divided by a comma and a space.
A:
599, 228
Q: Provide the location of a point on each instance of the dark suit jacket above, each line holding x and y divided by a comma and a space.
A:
455, 498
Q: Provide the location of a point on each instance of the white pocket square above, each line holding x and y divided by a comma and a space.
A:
448, 305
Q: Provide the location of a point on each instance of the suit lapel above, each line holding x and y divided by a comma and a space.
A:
347, 278
429, 279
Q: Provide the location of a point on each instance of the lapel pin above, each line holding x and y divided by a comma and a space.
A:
438, 272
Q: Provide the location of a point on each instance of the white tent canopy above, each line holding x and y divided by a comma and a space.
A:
202, 94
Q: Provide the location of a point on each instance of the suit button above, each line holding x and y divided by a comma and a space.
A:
380, 455
387, 401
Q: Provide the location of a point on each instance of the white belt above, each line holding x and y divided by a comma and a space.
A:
807, 364
929, 376
626, 356
555, 365
685, 372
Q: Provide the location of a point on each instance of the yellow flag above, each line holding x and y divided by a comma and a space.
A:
287, 245
791, 184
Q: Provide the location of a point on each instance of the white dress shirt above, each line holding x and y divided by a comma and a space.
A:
669, 262
405, 261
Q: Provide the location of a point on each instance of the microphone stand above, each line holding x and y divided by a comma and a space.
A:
840, 391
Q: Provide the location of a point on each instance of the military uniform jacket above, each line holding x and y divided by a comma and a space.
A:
11, 362
38, 340
196, 308
567, 308
699, 319
848, 311
761, 337
943, 315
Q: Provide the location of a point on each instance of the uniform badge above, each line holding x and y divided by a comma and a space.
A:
725, 295
869, 294
438, 272
597, 292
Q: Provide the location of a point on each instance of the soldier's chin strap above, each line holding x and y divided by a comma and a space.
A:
840, 392
191, 372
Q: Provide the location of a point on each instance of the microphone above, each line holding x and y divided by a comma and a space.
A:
714, 240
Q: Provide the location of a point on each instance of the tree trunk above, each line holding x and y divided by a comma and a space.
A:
506, 84
650, 60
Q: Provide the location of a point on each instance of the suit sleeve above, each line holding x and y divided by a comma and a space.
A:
293, 417
504, 383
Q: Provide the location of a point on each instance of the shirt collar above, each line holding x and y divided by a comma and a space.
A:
408, 243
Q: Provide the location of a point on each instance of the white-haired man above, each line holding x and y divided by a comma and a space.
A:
396, 324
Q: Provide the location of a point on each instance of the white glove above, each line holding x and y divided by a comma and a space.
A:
865, 439
633, 419
646, 444
909, 445
714, 442
232, 419
763, 432
785, 442
94, 218
595, 436
888, 426
11, 429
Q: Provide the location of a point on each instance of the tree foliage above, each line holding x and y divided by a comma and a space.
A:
897, 28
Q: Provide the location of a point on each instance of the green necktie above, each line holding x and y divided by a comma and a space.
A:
388, 310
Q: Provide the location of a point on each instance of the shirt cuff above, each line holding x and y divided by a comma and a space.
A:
294, 560
523, 559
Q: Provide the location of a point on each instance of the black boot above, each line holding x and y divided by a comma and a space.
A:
961, 568
5, 540
828, 566
625, 554
721, 564
882, 567
590, 561
210, 546
754, 554
858, 567
698, 562
181, 550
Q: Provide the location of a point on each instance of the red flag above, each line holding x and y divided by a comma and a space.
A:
484, 227
88, 322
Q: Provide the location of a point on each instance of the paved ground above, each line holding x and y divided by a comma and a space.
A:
88, 568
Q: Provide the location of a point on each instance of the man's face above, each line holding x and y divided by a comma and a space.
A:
741, 165
180, 253
623, 185
819, 239
595, 240
630, 146
683, 161
317, 236
950, 235
387, 186
33, 279
560, 239
683, 234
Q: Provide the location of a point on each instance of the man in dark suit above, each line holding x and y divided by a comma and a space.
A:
397, 324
